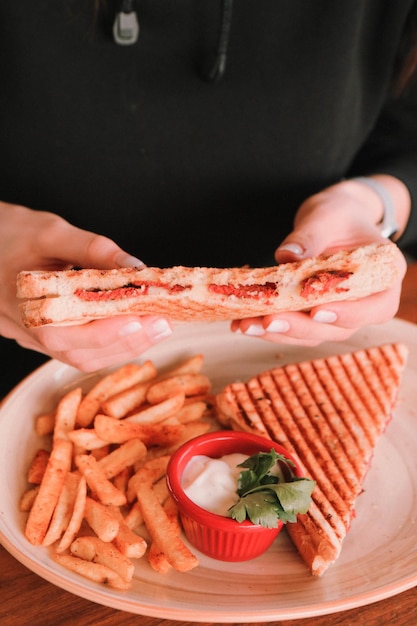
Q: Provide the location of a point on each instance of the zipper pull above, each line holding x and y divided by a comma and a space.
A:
126, 25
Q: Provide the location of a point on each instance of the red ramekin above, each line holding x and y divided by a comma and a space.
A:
220, 537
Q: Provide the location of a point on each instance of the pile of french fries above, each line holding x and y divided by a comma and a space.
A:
101, 486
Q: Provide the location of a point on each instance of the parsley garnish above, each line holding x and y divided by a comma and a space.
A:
266, 498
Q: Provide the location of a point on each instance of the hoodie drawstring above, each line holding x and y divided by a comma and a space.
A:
126, 32
217, 69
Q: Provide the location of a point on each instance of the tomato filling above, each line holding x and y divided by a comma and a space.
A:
324, 281
266, 290
129, 291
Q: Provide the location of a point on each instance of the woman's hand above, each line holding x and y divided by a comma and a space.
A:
37, 240
342, 216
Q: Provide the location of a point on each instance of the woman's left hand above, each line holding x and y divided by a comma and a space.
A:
338, 217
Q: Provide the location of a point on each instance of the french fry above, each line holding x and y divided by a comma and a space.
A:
190, 365
157, 521
86, 439
159, 412
27, 499
121, 480
118, 431
108, 386
63, 511
125, 402
66, 413
77, 517
160, 486
38, 466
171, 510
44, 424
94, 549
156, 557
106, 492
100, 519
100, 453
188, 431
128, 542
158, 560
124, 456
59, 464
93, 571
134, 517
191, 430
189, 384
191, 412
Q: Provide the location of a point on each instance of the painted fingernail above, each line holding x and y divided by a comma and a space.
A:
255, 330
130, 329
160, 329
325, 317
294, 248
127, 260
278, 326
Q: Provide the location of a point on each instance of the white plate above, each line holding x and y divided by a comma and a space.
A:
379, 557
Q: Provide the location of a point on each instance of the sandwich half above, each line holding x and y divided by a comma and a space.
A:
329, 412
204, 293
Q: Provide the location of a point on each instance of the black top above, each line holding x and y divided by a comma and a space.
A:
131, 142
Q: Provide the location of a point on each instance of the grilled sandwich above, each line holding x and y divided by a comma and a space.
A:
330, 413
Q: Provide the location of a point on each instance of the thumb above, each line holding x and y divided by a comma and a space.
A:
306, 240
73, 246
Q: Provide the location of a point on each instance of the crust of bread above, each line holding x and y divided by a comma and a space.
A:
329, 413
205, 294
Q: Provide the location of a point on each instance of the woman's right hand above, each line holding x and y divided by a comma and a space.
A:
36, 240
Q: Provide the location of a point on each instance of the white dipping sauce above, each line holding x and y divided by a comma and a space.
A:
212, 483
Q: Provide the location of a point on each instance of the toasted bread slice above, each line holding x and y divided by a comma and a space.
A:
205, 293
329, 412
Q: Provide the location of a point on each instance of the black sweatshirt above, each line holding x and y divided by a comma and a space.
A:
132, 142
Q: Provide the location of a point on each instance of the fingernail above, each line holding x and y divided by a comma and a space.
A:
325, 317
130, 329
127, 260
294, 248
254, 330
160, 329
278, 326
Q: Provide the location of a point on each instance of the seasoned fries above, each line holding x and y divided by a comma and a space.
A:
101, 520
159, 525
188, 384
40, 515
108, 386
118, 431
100, 491
38, 467
66, 414
94, 571
77, 516
94, 549
103, 488
160, 411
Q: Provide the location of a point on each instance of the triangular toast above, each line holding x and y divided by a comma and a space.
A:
329, 412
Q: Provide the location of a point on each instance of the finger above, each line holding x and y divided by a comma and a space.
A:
63, 242
331, 322
375, 309
97, 344
291, 328
318, 231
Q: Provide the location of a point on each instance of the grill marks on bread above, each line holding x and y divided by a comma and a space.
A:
330, 413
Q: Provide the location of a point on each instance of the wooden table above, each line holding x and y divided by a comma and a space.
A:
26, 599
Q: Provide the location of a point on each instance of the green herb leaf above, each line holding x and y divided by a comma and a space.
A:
264, 499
